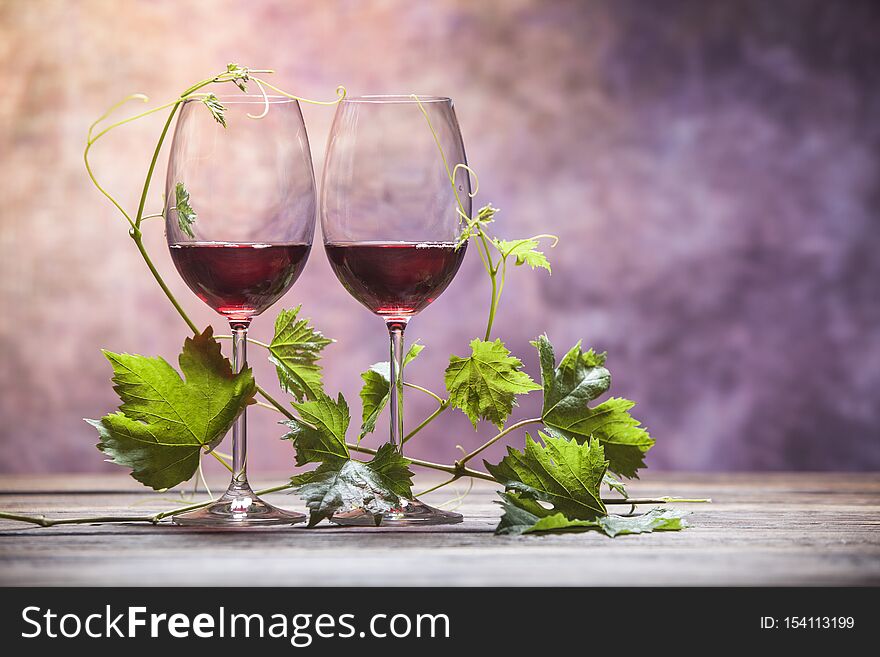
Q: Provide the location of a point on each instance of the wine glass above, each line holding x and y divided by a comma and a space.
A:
391, 224
240, 226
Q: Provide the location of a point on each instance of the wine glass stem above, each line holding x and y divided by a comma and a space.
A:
239, 429
395, 331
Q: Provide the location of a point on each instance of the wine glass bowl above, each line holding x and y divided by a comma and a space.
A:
239, 221
391, 213
251, 188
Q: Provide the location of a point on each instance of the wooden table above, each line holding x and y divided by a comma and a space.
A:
773, 529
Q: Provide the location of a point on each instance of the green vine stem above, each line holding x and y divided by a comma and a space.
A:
154, 519
437, 397
137, 236
249, 339
220, 459
49, 522
498, 436
451, 469
444, 404
451, 480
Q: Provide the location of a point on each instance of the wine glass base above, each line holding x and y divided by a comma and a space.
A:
411, 514
238, 508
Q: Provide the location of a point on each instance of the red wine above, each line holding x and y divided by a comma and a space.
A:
395, 279
239, 280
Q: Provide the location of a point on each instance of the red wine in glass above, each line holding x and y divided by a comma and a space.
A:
395, 279
239, 280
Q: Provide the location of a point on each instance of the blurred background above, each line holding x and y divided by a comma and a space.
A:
712, 168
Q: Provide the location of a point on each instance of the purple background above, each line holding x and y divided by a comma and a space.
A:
713, 169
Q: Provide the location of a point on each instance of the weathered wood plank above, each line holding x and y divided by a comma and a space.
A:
775, 529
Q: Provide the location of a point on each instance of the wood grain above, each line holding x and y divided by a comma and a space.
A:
771, 529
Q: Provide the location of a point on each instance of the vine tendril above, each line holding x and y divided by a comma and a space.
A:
265, 102
473, 192
341, 92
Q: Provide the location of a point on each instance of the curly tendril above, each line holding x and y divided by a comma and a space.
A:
265, 102
465, 167
341, 92
141, 97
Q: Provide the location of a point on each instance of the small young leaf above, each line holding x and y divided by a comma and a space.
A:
164, 421
525, 251
337, 486
562, 472
186, 216
295, 350
485, 216
319, 433
240, 75
374, 396
484, 384
218, 111
377, 387
615, 484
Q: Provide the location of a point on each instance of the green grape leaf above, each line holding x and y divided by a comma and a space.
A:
240, 75
484, 384
295, 350
217, 109
579, 378
186, 216
164, 421
524, 516
564, 473
341, 485
624, 440
319, 433
377, 387
655, 520
525, 251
